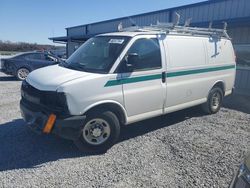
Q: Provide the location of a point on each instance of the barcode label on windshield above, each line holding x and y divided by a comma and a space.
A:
116, 41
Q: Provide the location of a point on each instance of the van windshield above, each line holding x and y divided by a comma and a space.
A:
97, 54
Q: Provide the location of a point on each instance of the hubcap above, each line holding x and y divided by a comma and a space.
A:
216, 99
96, 131
23, 73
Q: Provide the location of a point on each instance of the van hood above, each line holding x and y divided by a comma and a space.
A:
51, 77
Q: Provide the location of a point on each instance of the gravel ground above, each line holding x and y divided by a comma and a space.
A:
182, 149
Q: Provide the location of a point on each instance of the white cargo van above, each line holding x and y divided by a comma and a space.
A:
119, 78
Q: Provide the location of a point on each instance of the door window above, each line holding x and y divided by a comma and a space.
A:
148, 55
34, 57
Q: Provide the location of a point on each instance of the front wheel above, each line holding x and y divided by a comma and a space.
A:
22, 73
214, 101
99, 132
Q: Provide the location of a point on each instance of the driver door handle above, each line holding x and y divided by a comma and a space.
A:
163, 77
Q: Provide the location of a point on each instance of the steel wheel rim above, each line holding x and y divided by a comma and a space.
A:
215, 102
96, 131
23, 73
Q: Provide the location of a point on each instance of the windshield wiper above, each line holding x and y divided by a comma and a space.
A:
76, 66
63, 64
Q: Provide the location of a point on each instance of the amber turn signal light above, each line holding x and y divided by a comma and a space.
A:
50, 123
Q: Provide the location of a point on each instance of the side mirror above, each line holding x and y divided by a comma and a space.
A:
131, 59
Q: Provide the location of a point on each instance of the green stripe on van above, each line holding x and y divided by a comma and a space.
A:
132, 80
198, 71
169, 75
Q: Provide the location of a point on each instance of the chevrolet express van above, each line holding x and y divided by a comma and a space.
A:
124, 77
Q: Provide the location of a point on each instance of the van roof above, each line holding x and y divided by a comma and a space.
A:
132, 34
125, 33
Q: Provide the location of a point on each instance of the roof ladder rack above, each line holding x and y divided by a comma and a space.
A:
176, 28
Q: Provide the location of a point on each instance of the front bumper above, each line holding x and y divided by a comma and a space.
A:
68, 128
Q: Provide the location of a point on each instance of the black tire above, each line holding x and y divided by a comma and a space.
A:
22, 73
83, 143
212, 106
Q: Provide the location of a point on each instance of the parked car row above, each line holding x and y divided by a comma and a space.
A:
22, 64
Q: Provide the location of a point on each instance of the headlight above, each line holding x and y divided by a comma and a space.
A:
54, 99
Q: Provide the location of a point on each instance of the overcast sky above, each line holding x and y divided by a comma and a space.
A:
35, 21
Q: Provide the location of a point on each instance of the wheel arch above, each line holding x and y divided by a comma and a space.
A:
23, 66
221, 84
111, 105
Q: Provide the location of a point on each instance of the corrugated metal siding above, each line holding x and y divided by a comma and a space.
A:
103, 27
246, 8
220, 10
77, 31
240, 35
215, 11
151, 18
71, 47
242, 81
126, 22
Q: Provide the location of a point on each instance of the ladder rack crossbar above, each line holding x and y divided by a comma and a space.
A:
170, 27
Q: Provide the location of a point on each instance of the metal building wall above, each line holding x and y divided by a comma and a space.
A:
240, 35
216, 10
76, 31
71, 47
242, 80
111, 26
201, 12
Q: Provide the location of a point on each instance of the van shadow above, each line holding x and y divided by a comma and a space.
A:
21, 148
238, 102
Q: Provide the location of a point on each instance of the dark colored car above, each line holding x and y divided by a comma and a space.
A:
21, 65
242, 177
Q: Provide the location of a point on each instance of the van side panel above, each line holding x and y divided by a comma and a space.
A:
195, 65
184, 54
220, 52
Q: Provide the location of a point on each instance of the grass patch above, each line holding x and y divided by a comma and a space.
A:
8, 53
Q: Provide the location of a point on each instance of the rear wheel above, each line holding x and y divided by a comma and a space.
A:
22, 73
99, 132
214, 101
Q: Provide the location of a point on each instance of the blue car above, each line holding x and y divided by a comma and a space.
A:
21, 65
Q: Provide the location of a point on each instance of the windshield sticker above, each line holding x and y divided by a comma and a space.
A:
116, 41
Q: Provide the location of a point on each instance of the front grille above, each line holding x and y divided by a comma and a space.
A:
46, 101
30, 93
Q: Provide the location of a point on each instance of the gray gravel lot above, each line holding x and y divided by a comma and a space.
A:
182, 149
